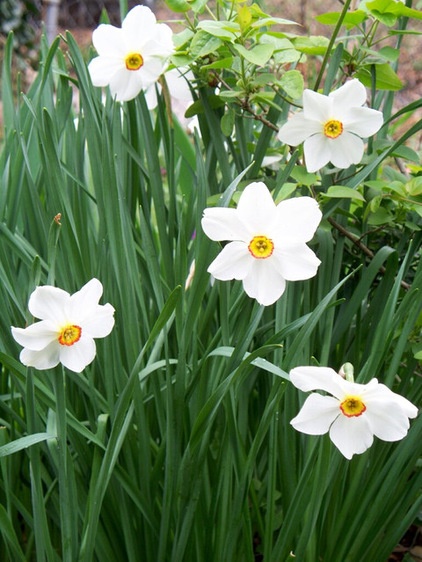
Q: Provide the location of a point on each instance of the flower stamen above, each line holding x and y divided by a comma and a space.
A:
333, 128
70, 334
261, 247
134, 61
352, 406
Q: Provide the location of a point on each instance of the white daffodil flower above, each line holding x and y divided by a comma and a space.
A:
69, 324
132, 57
267, 241
178, 85
332, 127
353, 414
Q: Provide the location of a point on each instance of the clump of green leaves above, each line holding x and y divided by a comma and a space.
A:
184, 417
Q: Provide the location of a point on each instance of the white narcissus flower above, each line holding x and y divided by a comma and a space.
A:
353, 414
332, 127
267, 242
178, 86
69, 324
132, 57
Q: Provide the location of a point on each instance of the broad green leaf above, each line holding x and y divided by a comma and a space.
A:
340, 191
265, 22
380, 216
351, 19
197, 5
385, 77
183, 38
178, 5
230, 95
287, 56
314, 45
286, 191
258, 55
221, 29
387, 11
303, 177
407, 153
279, 42
264, 79
414, 186
227, 122
227, 62
182, 60
292, 83
198, 107
389, 53
203, 44
185, 5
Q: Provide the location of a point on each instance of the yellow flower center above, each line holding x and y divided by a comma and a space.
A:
352, 406
70, 334
333, 129
261, 247
134, 61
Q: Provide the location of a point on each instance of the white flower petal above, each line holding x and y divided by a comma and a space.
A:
297, 129
126, 84
380, 390
263, 282
46, 358
77, 356
42, 348
318, 378
316, 415
298, 218
178, 80
160, 44
36, 336
84, 302
140, 34
151, 96
296, 262
256, 208
151, 71
351, 94
138, 27
109, 41
351, 435
347, 149
48, 303
363, 121
386, 414
100, 324
233, 262
102, 70
317, 152
221, 223
387, 421
317, 107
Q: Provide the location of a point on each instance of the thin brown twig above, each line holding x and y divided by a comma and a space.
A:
246, 107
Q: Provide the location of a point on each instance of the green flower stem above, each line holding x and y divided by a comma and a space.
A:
53, 239
331, 44
44, 550
66, 509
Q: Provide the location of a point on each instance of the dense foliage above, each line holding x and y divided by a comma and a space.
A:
175, 443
